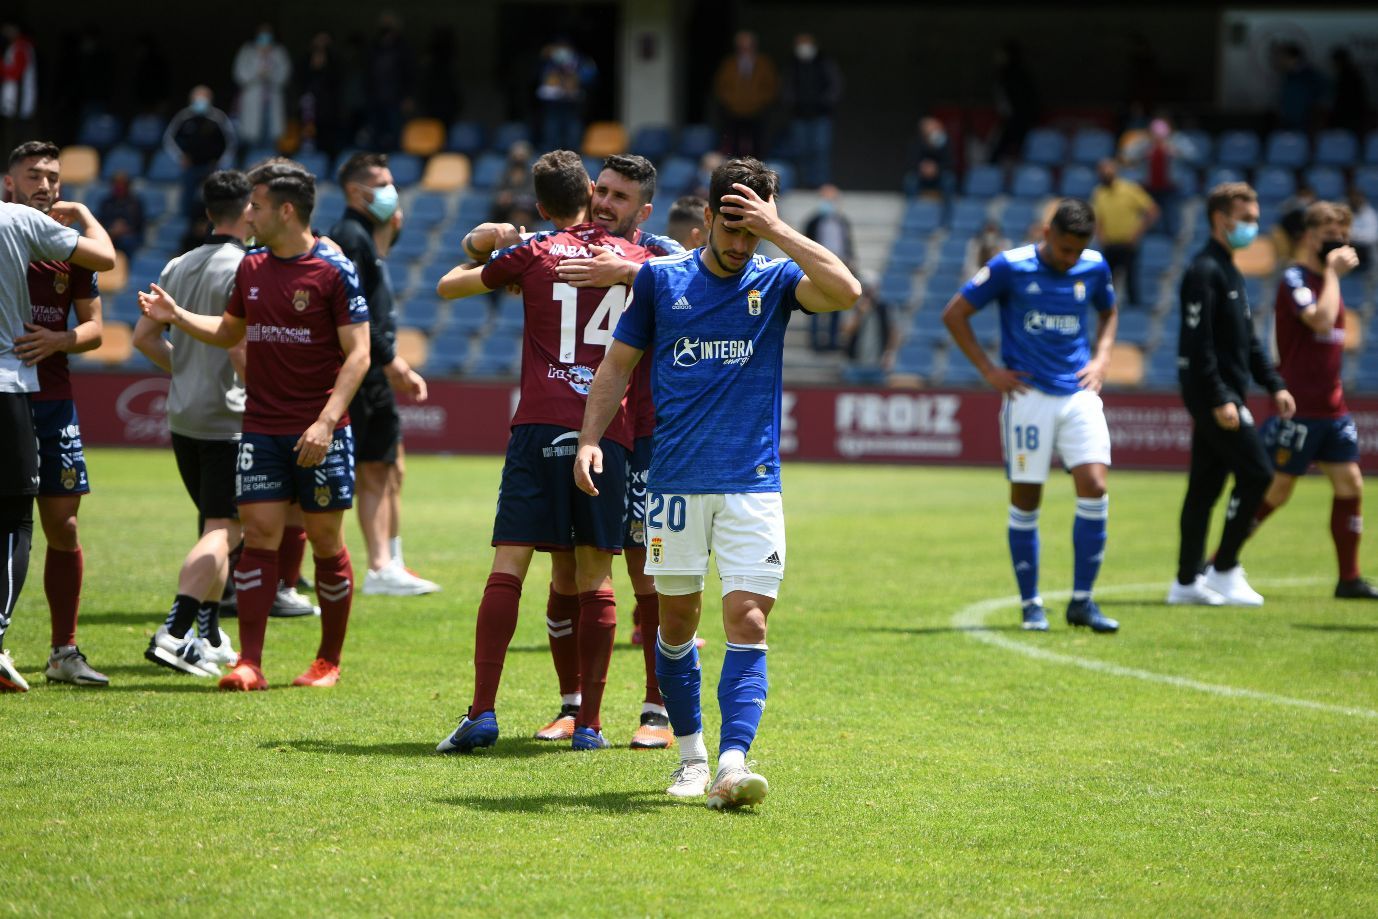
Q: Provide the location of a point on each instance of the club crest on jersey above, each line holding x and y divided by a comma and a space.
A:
69, 479
60, 282
322, 495
1079, 291
1283, 456
657, 551
301, 299
753, 302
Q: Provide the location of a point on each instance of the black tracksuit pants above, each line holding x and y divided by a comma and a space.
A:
1216, 454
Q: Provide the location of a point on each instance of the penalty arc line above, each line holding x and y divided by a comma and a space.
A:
970, 620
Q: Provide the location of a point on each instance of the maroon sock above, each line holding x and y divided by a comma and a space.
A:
335, 591
562, 625
597, 631
648, 621
290, 553
1346, 526
1264, 511
497, 621
255, 586
62, 583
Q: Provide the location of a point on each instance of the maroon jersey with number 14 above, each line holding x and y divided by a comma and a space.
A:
567, 329
53, 288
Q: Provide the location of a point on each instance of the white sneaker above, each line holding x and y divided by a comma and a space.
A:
737, 787
691, 780
288, 604
186, 654
10, 678
1194, 594
223, 655
1232, 586
395, 581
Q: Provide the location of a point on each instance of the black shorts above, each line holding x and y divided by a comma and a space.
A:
377, 426
638, 467
61, 459
540, 506
19, 455
207, 470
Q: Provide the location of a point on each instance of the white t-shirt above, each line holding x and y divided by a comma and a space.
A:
26, 235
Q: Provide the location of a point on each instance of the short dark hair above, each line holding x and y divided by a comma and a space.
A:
40, 149
636, 168
288, 183
562, 183
226, 193
1074, 217
1223, 196
688, 209
745, 170
357, 165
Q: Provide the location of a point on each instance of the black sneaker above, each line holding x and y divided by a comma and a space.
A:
1356, 589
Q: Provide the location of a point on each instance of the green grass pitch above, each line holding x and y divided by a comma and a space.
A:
914, 768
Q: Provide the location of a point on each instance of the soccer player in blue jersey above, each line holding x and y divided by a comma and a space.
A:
1051, 381
712, 322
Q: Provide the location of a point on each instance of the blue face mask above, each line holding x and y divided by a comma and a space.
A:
826, 208
200, 106
384, 203
1242, 234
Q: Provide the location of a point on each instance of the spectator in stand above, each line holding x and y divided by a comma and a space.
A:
1124, 212
1349, 105
1363, 232
565, 79
262, 69
18, 86
984, 246
122, 214
930, 162
813, 88
389, 90
514, 201
870, 339
320, 96
831, 229
1302, 88
198, 138
1016, 101
1156, 149
745, 86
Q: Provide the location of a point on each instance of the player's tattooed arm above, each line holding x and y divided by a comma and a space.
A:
605, 395
487, 238
957, 317
222, 331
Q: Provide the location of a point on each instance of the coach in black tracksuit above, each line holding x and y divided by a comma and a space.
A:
1217, 354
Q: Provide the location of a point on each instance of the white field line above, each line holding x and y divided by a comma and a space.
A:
971, 619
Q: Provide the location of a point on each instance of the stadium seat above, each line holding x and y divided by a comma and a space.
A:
896, 287
921, 218
411, 246
252, 156
1328, 182
1187, 180
413, 346
604, 138
116, 279
1237, 148
80, 165
1274, 183
786, 173
155, 203
915, 356
423, 136
1365, 179
465, 137
1287, 148
488, 170
968, 215
426, 210
122, 159
960, 372
983, 181
677, 174
146, 132
510, 315
908, 253
116, 344
1258, 259
1371, 148
496, 355
593, 165
1031, 181
1126, 365
163, 168
1336, 148
316, 163
509, 133
100, 131
446, 172
1195, 147
1077, 181
405, 168
1090, 145
1353, 290
465, 319
421, 312
330, 204
1045, 147
1133, 327
652, 141
697, 139
1223, 174
167, 234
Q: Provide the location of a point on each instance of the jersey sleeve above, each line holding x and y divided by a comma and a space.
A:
47, 239
637, 325
507, 266
349, 305
235, 305
84, 284
989, 282
1104, 296
1293, 291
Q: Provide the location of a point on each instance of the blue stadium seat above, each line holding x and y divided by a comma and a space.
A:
896, 287
146, 132
652, 141
316, 163
465, 137
1090, 145
144, 269
1237, 148
510, 315
676, 174
426, 210
163, 168
983, 181
960, 372
1223, 174
405, 168
155, 203
252, 156
921, 217
1328, 182
1371, 148
785, 171
411, 246
908, 253
1187, 180
1156, 250
1133, 327
1274, 183
915, 356
122, 159
968, 215
1336, 148
421, 313
508, 134
1353, 290
1366, 179
168, 234
330, 204
697, 139
466, 318
1287, 148
100, 131
1031, 181
1077, 181
1045, 147
488, 170
1196, 147
497, 355
593, 165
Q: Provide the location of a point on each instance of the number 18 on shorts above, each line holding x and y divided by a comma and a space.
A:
1034, 424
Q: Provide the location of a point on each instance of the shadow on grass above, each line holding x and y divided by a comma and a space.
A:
149, 617
614, 802
514, 748
1333, 627
200, 686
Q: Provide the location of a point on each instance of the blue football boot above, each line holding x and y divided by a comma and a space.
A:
1087, 613
586, 738
1035, 618
471, 734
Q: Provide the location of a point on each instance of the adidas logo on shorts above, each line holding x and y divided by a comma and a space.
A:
772, 559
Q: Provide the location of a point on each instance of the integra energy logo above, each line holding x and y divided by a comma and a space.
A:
689, 351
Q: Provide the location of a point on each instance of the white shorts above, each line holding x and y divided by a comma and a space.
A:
745, 531
1033, 424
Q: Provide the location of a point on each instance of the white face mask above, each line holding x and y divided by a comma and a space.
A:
806, 52
384, 203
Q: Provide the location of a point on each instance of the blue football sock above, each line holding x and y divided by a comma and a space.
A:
1024, 551
677, 671
1088, 543
742, 695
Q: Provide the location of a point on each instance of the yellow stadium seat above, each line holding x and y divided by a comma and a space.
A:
79, 165
116, 345
1126, 365
1258, 260
605, 138
116, 279
414, 346
446, 172
423, 136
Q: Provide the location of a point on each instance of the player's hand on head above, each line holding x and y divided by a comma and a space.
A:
749, 211
588, 462
1004, 380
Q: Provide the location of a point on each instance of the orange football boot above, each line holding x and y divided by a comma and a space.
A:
245, 677
320, 673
